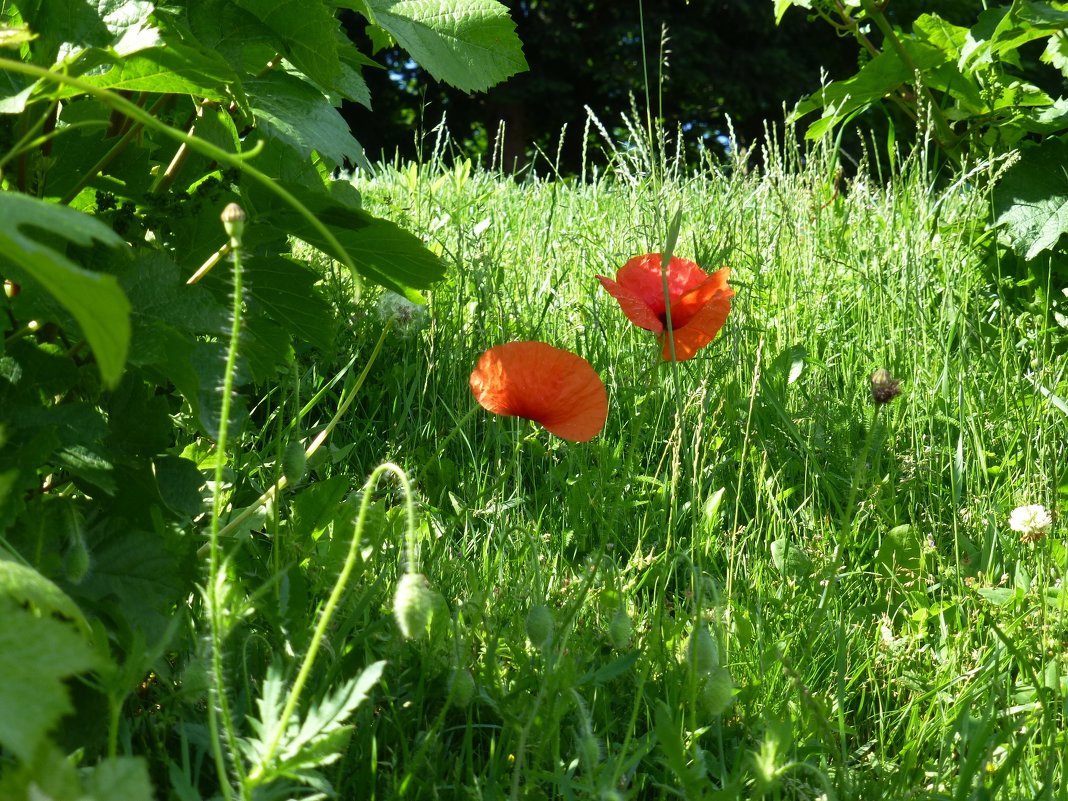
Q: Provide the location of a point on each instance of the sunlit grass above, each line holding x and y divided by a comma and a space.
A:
893, 643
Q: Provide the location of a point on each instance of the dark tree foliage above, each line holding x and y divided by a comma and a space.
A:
705, 61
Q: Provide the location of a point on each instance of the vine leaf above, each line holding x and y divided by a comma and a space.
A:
307, 30
36, 653
1031, 200
470, 44
29, 233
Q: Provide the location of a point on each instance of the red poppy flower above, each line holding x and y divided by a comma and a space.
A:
550, 386
700, 302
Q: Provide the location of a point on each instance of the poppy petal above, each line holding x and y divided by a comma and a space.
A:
550, 386
683, 309
642, 276
634, 305
701, 328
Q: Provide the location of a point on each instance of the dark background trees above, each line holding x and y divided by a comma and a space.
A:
704, 61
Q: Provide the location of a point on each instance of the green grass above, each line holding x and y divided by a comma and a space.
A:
896, 645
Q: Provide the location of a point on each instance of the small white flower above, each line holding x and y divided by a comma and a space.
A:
1031, 522
406, 316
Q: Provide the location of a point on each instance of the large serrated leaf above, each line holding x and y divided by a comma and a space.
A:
29, 230
24, 585
383, 251
174, 69
1031, 200
135, 572
307, 30
294, 111
470, 44
120, 777
36, 653
287, 291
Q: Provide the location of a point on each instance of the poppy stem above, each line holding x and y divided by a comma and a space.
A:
665, 259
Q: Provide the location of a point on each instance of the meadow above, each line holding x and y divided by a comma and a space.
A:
690, 475
756, 581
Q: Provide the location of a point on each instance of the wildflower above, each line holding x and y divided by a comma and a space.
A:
884, 387
538, 382
1032, 522
699, 302
407, 317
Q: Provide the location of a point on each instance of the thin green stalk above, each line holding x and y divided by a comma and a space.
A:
272, 492
331, 606
214, 576
665, 260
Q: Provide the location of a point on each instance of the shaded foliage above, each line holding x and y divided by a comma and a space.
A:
705, 62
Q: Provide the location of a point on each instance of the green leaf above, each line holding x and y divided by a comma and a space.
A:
383, 251
782, 5
1031, 200
95, 301
1056, 52
25, 586
470, 44
307, 31
287, 291
294, 111
180, 483
134, 574
789, 559
317, 740
875, 80
36, 654
318, 505
120, 777
240, 38
173, 69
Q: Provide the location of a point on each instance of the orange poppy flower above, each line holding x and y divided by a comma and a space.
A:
699, 302
550, 386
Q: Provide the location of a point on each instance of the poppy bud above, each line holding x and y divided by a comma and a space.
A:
590, 749
461, 687
884, 387
702, 649
233, 220
717, 692
413, 605
77, 561
540, 626
619, 629
294, 461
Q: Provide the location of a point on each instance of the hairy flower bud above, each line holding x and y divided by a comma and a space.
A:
461, 687
413, 605
619, 629
540, 626
702, 649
